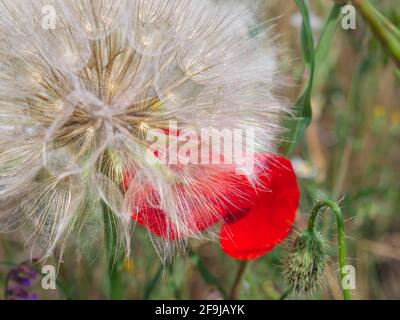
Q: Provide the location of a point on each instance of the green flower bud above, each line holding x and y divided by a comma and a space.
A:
305, 262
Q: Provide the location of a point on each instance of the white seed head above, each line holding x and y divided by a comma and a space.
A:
77, 100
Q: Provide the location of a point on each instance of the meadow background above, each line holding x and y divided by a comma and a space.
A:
349, 153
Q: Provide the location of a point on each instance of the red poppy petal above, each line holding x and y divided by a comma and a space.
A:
268, 222
235, 194
156, 222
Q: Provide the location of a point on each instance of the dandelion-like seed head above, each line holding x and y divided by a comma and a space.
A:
84, 81
305, 263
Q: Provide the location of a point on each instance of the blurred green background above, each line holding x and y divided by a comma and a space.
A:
350, 153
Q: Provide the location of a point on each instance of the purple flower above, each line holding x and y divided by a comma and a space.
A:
19, 280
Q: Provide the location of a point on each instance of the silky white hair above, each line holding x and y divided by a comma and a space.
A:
76, 101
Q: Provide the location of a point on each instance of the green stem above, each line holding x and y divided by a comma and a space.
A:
7, 263
207, 276
384, 30
172, 284
238, 280
285, 294
153, 283
113, 254
341, 235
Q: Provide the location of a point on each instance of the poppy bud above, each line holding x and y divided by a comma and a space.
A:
305, 262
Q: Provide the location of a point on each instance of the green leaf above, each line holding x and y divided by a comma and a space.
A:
304, 102
312, 58
114, 254
327, 33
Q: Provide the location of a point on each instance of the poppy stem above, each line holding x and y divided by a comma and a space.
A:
238, 280
207, 276
341, 236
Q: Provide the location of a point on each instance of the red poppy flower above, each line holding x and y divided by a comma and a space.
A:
254, 218
268, 221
